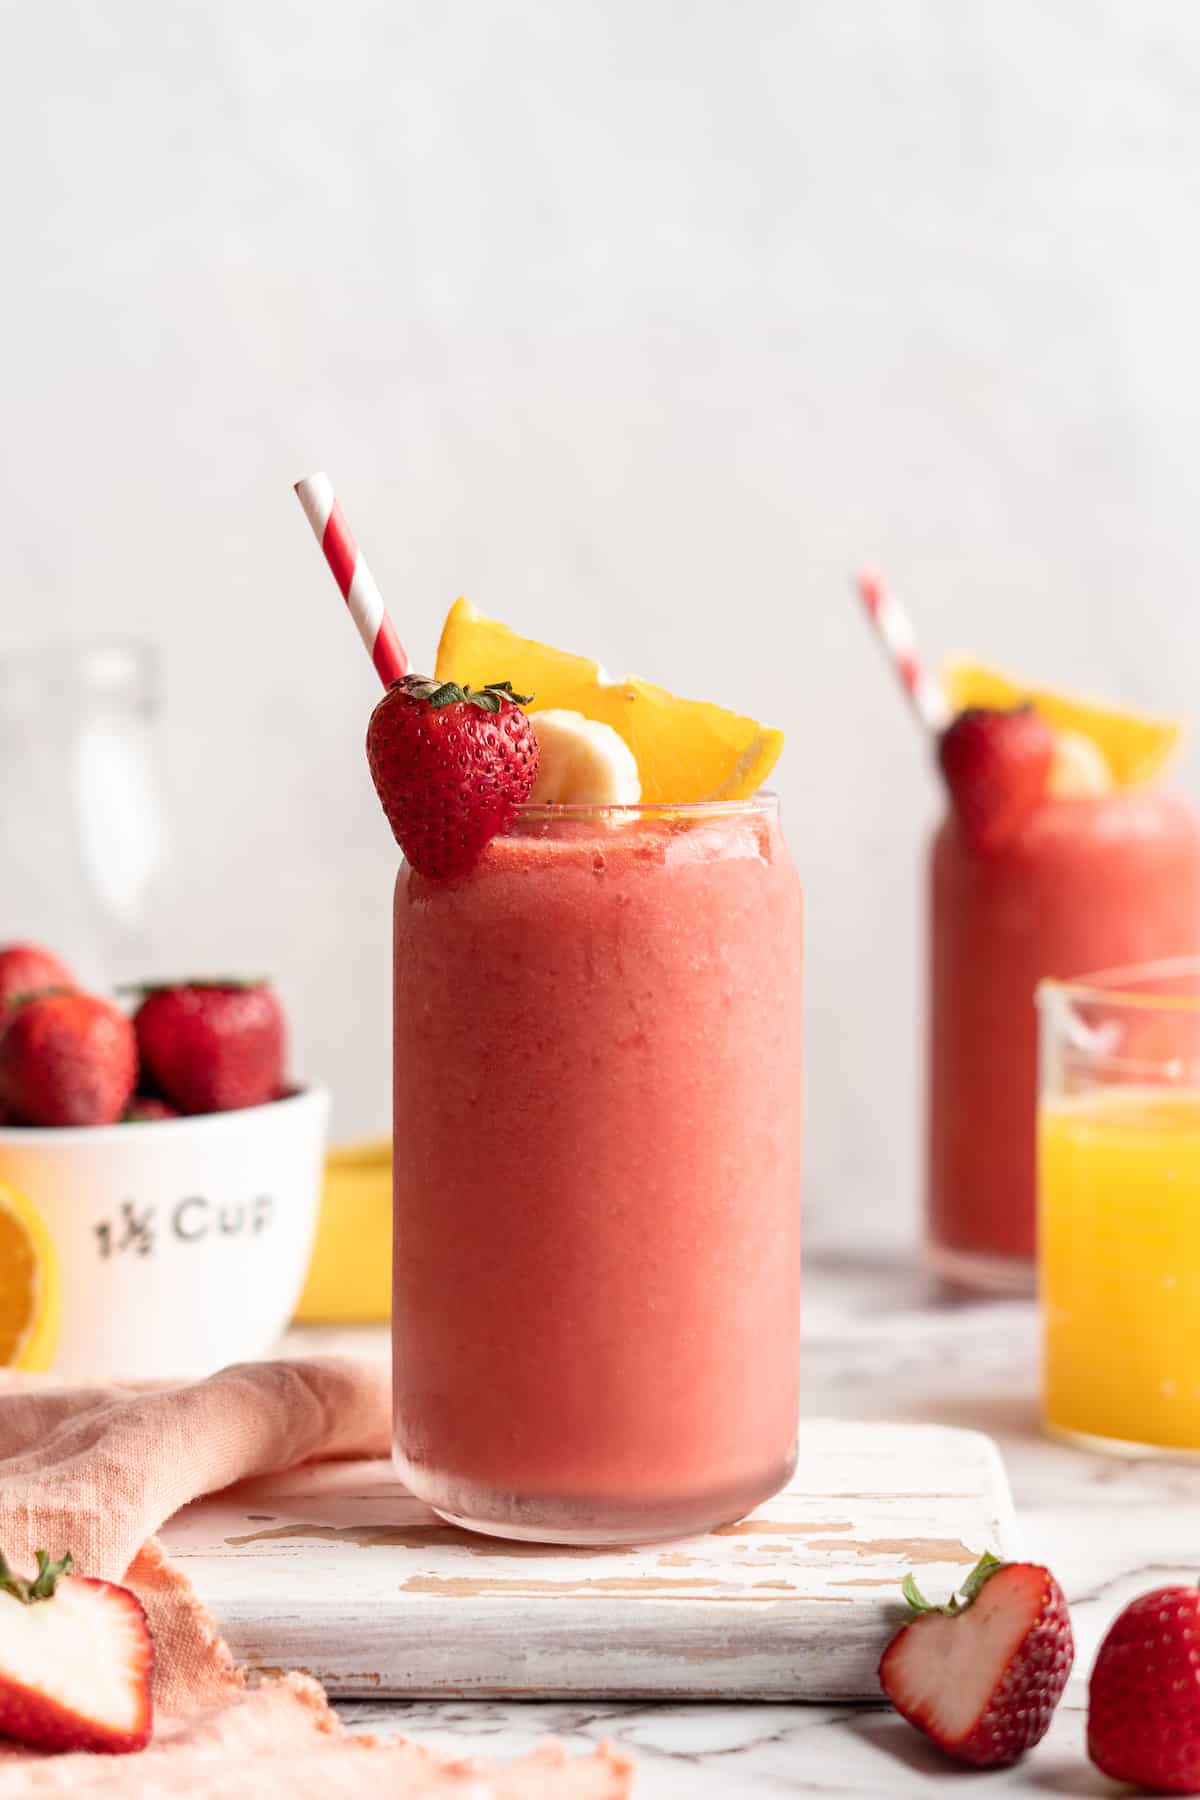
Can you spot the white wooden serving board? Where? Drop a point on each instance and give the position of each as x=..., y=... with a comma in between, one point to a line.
x=337, y=1570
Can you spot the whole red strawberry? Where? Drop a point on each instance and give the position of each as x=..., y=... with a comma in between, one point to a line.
x=212, y=1046
x=66, y=1059
x=1144, y=1694
x=983, y=1674
x=28, y=969
x=450, y=765
x=997, y=765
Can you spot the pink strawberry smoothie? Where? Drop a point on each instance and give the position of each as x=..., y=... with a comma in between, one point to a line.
x=597, y=1118
x=1086, y=884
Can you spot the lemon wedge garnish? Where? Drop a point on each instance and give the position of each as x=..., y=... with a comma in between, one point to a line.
x=30, y=1309
x=686, y=750
x=1135, y=746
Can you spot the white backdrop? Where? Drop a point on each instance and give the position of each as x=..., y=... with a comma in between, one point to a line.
x=638, y=323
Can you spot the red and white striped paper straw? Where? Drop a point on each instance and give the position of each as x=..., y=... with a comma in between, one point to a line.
x=894, y=630
x=350, y=571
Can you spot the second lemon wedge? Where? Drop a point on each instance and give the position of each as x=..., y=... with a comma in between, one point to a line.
x=686, y=750
x=30, y=1307
x=1136, y=746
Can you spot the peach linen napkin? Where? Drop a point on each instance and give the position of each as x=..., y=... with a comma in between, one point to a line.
x=97, y=1470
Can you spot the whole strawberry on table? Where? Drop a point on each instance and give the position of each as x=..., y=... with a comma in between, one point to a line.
x=1144, y=1694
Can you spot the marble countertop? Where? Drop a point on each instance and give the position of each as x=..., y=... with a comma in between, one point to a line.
x=881, y=1342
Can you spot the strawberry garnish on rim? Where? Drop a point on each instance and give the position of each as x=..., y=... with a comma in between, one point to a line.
x=1144, y=1694
x=76, y=1659
x=982, y=1675
x=451, y=765
x=997, y=767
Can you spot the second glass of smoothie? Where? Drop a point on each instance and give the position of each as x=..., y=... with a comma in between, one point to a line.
x=597, y=1248
x=1087, y=883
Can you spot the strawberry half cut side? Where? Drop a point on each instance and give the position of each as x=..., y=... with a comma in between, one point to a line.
x=76, y=1659
x=982, y=1675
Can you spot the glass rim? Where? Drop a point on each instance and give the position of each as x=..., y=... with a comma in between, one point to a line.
x=1119, y=986
x=766, y=800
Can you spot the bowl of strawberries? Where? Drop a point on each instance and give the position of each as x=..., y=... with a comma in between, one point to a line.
x=176, y=1168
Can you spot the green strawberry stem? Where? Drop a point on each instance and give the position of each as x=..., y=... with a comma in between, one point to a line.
x=28, y=994
x=987, y=1566
x=448, y=693
x=44, y=1582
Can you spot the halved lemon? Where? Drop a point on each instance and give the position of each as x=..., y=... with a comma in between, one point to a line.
x=30, y=1307
x=1136, y=746
x=686, y=750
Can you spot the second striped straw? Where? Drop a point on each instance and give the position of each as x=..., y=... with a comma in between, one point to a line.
x=893, y=627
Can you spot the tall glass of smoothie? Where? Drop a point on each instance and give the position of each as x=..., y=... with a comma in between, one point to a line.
x=597, y=1247
x=597, y=1100
x=597, y=1048
x=1097, y=866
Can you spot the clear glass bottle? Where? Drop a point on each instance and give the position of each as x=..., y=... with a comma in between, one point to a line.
x=82, y=834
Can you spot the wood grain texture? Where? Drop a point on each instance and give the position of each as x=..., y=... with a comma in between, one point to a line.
x=337, y=1570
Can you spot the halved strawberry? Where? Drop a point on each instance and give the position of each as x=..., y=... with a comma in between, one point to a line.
x=997, y=767
x=983, y=1674
x=76, y=1658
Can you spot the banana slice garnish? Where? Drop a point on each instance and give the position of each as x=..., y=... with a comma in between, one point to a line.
x=582, y=762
